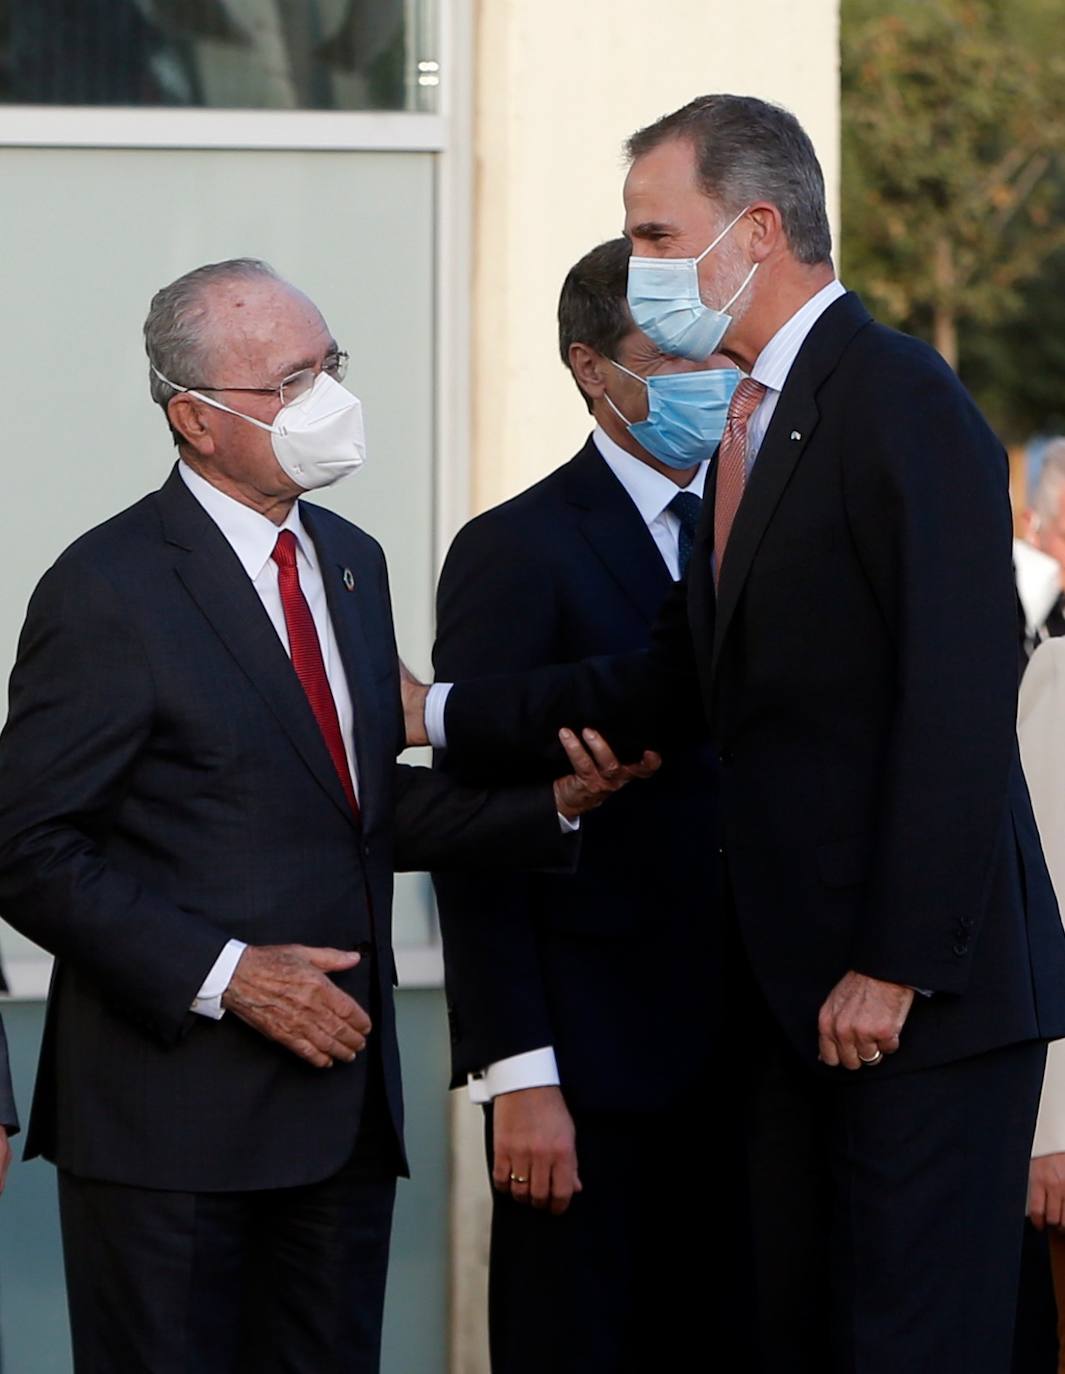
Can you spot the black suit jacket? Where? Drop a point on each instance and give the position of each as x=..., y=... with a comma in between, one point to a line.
x=858, y=668
x=163, y=787
x=566, y=570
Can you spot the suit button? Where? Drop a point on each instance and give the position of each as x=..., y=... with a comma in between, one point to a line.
x=960, y=949
x=366, y=851
x=725, y=757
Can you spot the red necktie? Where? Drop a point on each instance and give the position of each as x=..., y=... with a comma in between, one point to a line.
x=307, y=658
x=732, y=465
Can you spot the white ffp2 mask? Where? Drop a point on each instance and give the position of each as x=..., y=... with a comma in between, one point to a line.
x=317, y=439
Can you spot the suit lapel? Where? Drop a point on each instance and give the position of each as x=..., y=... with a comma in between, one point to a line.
x=213, y=576
x=790, y=431
x=793, y=422
x=346, y=611
x=615, y=531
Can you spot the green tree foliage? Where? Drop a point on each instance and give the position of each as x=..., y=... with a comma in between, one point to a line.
x=954, y=185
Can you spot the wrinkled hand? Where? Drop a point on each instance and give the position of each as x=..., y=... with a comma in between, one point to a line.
x=283, y=992
x=1046, y=1191
x=860, y=1016
x=596, y=775
x=413, y=693
x=534, y=1138
x=5, y=1156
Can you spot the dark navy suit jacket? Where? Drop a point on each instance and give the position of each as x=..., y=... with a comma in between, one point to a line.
x=164, y=787
x=566, y=570
x=858, y=668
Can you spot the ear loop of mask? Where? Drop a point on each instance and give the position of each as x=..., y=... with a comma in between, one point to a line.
x=746, y=281
x=610, y=403
x=187, y=391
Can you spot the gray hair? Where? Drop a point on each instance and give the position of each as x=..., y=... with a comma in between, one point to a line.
x=1046, y=499
x=176, y=332
x=747, y=150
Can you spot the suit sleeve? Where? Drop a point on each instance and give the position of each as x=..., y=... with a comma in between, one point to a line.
x=8, y=1114
x=925, y=487
x=647, y=700
x=442, y=824
x=496, y=611
x=81, y=711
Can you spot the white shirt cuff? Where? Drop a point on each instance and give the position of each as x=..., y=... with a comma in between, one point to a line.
x=568, y=826
x=208, y=1001
x=534, y=1069
x=435, y=701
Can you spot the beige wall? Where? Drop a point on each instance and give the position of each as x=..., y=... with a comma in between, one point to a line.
x=559, y=85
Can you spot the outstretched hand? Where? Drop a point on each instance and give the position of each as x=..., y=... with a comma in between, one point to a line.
x=597, y=773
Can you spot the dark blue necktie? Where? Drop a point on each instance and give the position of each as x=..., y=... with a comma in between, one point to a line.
x=686, y=507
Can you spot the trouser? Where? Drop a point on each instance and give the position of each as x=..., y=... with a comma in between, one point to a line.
x=886, y=1213
x=610, y=1285
x=279, y=1281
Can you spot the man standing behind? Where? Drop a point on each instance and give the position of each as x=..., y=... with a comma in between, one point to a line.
x=542, y=972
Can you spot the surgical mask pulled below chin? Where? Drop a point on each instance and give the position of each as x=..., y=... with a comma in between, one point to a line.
x=317, y=439
x=664, y=299
x=686, y=413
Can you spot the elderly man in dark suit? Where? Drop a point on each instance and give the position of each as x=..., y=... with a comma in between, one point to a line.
x=848, y=629
x=541, y=977
x=200, y=815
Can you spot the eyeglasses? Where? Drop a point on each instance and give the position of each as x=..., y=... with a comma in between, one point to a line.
x=295, y=385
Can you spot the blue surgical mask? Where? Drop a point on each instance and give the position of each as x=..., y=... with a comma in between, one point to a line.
x=665, y=303
x=686, y=413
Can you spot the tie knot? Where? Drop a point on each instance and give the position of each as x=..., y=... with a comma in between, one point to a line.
x=284, y=554
x=745, y=400
x=686, y=506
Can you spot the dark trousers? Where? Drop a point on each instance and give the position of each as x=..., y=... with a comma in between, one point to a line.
x=283, y=1281
x=609, y=1286
x=887, y=1213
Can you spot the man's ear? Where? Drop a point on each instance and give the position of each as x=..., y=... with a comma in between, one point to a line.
x=188, y=417
x=589, y=368
x=767, y=230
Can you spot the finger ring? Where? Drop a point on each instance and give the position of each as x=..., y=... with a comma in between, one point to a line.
x=518, y=1178
x=875, y=1059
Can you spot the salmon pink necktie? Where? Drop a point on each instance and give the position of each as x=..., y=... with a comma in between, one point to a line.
x=307, y=658
x=732, y=465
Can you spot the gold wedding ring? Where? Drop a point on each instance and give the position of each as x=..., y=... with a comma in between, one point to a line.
x=870, y=1062
x=518, y=1178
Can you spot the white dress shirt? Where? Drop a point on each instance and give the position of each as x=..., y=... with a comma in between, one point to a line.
x=252, y=538
x=651, y=494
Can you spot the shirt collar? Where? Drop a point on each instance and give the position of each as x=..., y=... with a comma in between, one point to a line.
x=648, y=490
x=773, y=364
x=251, y=535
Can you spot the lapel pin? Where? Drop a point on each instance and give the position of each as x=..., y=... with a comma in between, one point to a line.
x=795, y=434
x=349, y=579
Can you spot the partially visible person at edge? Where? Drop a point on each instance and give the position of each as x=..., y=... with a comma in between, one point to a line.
x=1039, y=558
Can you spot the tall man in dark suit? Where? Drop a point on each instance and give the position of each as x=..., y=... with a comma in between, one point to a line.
x=541, y=973
x=848, y=628
x=200, y=815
